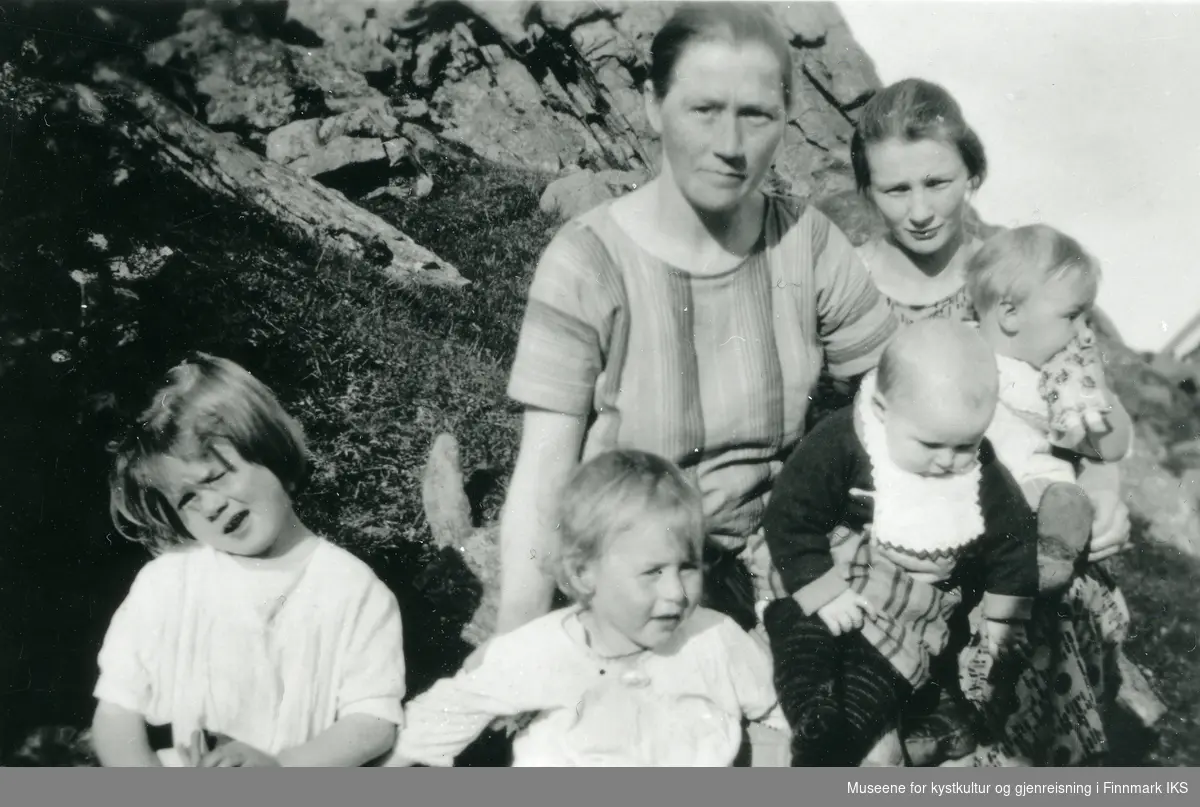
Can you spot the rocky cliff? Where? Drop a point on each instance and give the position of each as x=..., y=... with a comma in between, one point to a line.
x=324, y=86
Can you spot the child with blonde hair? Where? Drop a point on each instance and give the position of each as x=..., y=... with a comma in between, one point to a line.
x=887, y=514
x=635, y=673
x=1060, y=431
x=256, y=641
x=1033, y=288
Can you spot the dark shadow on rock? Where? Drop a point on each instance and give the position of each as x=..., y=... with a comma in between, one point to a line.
x=268, y=20
x=356, y=179
x=55, y=617
x=437, y=602
x=1130, y=742
x=482, y=486
x=64, y=39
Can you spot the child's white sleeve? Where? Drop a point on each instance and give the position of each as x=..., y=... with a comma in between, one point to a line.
x=501, y=679
x=752, y=672
x=373, y=679
x=126, y=660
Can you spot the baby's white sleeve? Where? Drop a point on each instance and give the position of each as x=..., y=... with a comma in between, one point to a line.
x=126, y=660
x=373, y=678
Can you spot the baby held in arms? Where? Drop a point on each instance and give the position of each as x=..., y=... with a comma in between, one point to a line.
x=886, y=516
x=1034, y=288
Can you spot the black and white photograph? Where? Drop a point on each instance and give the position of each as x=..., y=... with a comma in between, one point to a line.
x=619, y=383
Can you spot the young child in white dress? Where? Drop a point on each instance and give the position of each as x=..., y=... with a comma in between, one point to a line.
x=258, y=642
x=635, y=673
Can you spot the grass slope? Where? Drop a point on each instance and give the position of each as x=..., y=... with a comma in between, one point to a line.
x=372, y=370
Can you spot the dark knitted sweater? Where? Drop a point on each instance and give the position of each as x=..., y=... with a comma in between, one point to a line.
x=813, y=497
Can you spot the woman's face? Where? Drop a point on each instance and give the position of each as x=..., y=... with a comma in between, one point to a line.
x=920, y=187
x=721, y=121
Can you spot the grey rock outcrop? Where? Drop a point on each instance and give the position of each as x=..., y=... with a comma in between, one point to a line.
x=543, y=85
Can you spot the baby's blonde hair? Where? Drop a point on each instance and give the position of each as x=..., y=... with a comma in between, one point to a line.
x=1013, y=264
x=612, y=493
x=205, y=400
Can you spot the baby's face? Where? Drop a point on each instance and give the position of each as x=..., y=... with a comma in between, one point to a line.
x=934, y=437
x=1052, y=316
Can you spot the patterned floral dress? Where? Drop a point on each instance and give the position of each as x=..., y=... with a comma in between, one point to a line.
x=1053, y=715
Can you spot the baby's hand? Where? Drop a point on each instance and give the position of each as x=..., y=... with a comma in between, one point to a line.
x=845, y=612
x=1004, y=637
x=238, y=755
x=1096, y=420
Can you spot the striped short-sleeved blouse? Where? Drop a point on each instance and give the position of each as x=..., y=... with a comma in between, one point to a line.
x=714, y=372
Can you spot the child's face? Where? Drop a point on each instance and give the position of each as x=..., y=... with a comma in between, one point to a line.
x=933, y=438
x=1049, y=319
x=920, y=188
x=645, y=584
x=228, y=503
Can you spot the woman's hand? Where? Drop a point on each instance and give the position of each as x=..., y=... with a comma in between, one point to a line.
x=238, y=755
x=845, y=612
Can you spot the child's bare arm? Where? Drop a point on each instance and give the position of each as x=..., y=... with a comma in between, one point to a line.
x=352, y=741
x=120, y=739
x=504, y=678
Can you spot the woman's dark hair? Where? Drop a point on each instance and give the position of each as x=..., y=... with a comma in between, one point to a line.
x=913, y=110
x=736, y=23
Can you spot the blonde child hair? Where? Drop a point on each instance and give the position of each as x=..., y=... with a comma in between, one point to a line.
x=1012, y=264
x=206, y=399
x=1061, y=404
x=612, y=493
